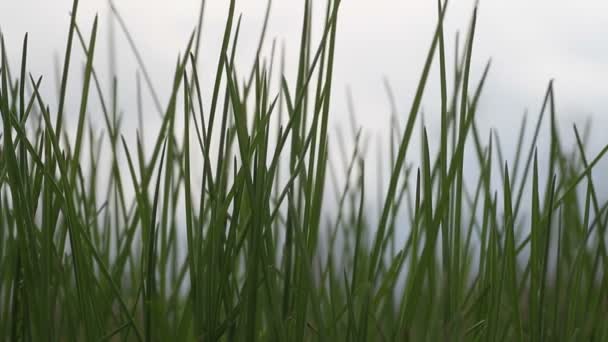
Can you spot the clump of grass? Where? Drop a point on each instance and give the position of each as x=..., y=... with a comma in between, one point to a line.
x=239, y=246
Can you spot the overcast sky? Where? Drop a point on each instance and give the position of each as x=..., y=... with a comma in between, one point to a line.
x=530, y=42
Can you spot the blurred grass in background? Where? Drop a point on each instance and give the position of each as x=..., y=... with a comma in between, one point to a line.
x=152, y=244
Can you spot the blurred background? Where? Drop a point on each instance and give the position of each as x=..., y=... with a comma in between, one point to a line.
x=529, y=44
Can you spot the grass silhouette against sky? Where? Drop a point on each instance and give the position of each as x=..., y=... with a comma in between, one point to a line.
x=244, y=216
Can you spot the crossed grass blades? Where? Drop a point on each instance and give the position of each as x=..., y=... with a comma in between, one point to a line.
x=148, y=244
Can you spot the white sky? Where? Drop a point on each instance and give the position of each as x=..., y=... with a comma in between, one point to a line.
x=530, y=42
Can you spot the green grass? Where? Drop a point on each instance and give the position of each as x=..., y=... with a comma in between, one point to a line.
x=223, y=228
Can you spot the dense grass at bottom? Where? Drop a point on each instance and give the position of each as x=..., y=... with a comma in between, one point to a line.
x=219, y=229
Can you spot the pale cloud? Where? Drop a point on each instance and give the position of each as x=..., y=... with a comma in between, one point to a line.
x=529, y=42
